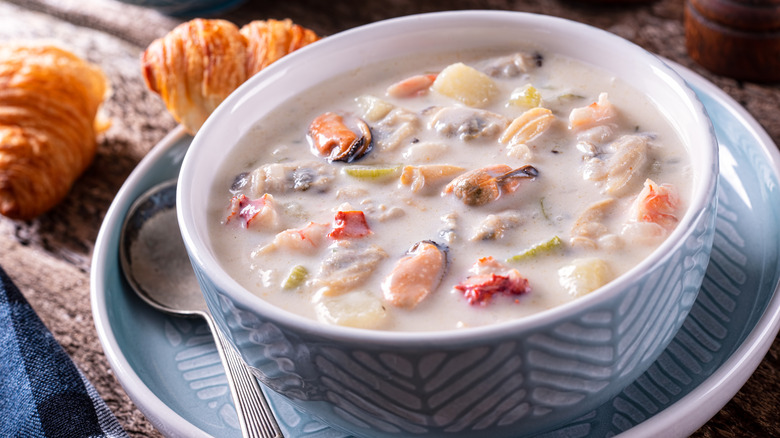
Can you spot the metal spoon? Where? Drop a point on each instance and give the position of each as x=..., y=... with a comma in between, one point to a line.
x=155, y=264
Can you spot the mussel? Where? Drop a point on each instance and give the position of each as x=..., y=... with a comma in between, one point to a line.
x=330, y=137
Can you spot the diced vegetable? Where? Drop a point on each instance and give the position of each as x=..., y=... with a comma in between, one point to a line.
x=353, y=309
x=373, y=173
x=526, y=96
x=296, y=277
x=466, y=84
x=374, y=109
x=583, y=276
x=538, y=249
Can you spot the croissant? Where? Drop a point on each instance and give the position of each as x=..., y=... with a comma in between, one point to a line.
x=49, y=100
x=200, y=62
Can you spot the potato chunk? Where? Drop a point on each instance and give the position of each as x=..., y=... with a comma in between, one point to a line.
x=583, y=276
x=353, y=309
x=466, y=84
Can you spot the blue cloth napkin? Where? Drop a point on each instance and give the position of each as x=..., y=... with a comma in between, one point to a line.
x=42, y=392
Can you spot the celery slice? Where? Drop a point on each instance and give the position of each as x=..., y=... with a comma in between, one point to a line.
x=526, y=96
x=296, y=277
x=373, y=172
x=538, y=249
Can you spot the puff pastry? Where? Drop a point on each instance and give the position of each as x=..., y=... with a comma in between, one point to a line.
x=49, y=100
x=200, y=62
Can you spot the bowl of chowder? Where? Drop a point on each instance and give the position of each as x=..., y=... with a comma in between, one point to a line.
x=465, y=223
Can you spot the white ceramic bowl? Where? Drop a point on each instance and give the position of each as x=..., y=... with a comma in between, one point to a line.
x=523, y=376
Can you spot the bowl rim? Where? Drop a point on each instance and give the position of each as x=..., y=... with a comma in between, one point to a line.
x=701, y=199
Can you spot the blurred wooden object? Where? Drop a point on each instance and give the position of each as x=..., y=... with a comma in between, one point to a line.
x=735, y=38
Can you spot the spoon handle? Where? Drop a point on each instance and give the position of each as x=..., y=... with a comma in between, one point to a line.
x=254, y=414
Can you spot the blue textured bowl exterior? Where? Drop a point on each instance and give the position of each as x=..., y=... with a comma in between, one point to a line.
x=187, y=7
x=513, y=382
x=529, y=375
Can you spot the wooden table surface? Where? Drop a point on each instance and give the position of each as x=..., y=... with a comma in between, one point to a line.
x=49, y=257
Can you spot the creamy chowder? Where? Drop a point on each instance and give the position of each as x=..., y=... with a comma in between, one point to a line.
x=448, y=192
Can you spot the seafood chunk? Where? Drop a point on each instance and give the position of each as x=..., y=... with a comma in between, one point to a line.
x=520, y=151
x=514, y=65
x=583, y=276
x=330, y=137
x=598, y=113
x=480, y=186
x=353, y=309
x=348, y=265
x=589, y=226
x=490, y=278
x=527, y=126
x=416, y=275
x=286, y=177
x=306, y=240
x=425, y=151
x=397, y=126
x=449, y=233
x=420, y=177
x=656, y=203
x=349, y=224
x=494, y=226
x=255, y=213
x=465, y=84
x=412, y=86
x=628, y=165
x=467, y=123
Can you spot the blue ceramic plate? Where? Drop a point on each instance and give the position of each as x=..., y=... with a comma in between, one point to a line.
x=170, y=367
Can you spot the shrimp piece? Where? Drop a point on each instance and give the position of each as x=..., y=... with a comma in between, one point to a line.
x=349, y=224
x=411, y=87
x=487, y=265
x=595, y=114
x=306, y=240
x=480, y=186
x=656, y=203
x=491, y=277
x=418, y=177
x=416, y=275
x=330, y=137
x=255, y=213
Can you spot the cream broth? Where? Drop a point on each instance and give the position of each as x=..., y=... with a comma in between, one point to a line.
x=607, y=182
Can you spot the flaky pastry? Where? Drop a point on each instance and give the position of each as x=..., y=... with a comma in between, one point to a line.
x=49, y=100
x=200, y=62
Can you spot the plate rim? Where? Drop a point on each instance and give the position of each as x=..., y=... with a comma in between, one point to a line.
x=726, y=381
x=708, y=397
